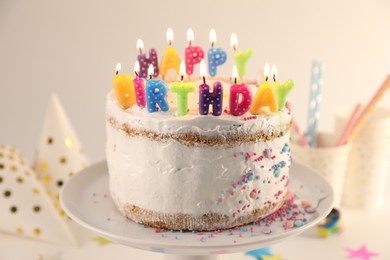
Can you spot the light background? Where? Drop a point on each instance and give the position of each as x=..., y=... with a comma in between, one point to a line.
x=72, y=47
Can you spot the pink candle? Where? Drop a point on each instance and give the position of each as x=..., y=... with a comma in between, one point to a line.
x=144, y=61
x=139, y=87
x=237, y=107
x=193, y=54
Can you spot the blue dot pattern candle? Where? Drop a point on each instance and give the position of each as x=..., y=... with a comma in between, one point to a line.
x=156, y=91
x=214, y=98
x=216, y=57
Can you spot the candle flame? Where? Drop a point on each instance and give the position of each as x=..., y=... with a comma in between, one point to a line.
x=118, y=67
x=182, y=68
x=140, y=45
x=233, y=41
x=150, y=70
x=190, y=35
x=274, y=71
x=136, y=67
x=266, y=71
x=212, y=36
x=170, y=36
x=203, y=71
x=235, y=73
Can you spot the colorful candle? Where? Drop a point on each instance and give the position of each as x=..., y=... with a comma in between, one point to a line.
x=216, y=56
x=124, y=89
x=207, y=98
x=193, y=54
x=139, y=87
x=182, y=89
x=281, y=90
x=237, y=107
x=170, y=59
x=145, y=61
x=156, y=91
x=264, y=96
x=241, y=58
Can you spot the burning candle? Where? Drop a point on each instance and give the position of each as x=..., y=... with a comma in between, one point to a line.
x=182, y=89
x=216, y=56
x=139, y=87
x=156, y=91
x=124, y=89
x=237, y=107
x=207, y=98
x=264, y=96
x=281, y=90
x=193, y=54
x=145, y=62
x=240, y=57
x=170, y=59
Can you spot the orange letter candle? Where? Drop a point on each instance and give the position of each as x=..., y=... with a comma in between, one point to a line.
x=170, y=59
x=124, y=89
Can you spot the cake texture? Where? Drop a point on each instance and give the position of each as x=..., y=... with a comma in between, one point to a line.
x=196, y=172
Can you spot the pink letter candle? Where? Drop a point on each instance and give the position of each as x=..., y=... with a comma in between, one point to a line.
x=139, y=87
x=207, y=98
x=156, y=91
x=145, y=62
x=216, y=56
x=237, y=107
x=170, y=59
x=193, y=54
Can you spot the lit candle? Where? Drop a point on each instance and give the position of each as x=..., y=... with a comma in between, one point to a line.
x=145, y=62
x=156, y=91
x=240, y=57
x=237, y=107
x=264, y=96
x=206, y=98
x=170, y=59
x=123, y=88
x=216, y=56
x=193, y=54
x=281, y=90
x=139, y=87
x=182, y=89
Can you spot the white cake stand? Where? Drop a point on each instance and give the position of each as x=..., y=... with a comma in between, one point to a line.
x=85, y=198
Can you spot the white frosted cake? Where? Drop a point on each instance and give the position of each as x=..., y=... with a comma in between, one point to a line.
x=196, y=172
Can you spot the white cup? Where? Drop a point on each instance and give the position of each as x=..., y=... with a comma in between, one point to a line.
x=368, y=161
x=326, y=159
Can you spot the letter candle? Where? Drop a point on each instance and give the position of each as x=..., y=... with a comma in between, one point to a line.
x=237, y=107
x=170, y=59
x=124, y=89
x=145, y=62
x=264, y=96
x=207, y=98
x=156, y=91
x=240, y=57
x=281, y=90
x=139, y=87
x=193, y=54
x=216, y=56
x=182, y=89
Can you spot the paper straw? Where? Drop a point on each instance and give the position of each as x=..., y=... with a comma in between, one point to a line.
x=301, y=137
x=369, y=108
x=347, y=128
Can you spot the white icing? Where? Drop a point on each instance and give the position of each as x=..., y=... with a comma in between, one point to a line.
x=169, y=177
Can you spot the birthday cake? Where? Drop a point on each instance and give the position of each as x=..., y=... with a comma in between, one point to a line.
x=204, y=159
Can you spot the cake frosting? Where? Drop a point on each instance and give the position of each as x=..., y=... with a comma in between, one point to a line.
x=196, y=172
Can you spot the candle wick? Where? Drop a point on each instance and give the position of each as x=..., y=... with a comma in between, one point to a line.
x=266, y=78
x=212, y=44
x=116, y=73
x=150, y=76
x=274, y=77
x=235, y=80
x=234, y=48
x=170, y=43
x=204, y=80
x=182, y=77
x=136, y=73
x=189, y=43
x=140, y=51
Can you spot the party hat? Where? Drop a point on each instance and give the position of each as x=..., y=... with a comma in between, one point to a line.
x=25, y=207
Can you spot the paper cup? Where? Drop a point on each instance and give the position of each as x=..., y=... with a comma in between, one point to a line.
x=368, y=161
x=326, y=159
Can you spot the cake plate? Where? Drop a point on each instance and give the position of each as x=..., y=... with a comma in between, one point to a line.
x=85, y=198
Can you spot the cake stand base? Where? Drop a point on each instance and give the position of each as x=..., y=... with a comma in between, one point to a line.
x=194, y=257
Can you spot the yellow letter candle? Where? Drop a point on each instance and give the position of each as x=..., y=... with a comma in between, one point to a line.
x=182, y=89
x=124, y=89
x=241, y=57
x=281, y=90
x=170, y=59
x=264, y=96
